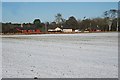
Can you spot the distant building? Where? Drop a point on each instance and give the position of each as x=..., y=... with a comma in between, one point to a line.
x=51, y=30
x=28, y=29
x=77, y=31
x=67, y=30
x=55, y=30
x=58, y=29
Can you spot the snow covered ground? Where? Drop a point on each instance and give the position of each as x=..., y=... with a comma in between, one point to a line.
x=85, y=55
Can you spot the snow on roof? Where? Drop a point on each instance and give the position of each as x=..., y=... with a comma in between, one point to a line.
x=57, y=29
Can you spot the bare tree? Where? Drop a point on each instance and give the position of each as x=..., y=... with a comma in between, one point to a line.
x=110, y=15
x=59, y=20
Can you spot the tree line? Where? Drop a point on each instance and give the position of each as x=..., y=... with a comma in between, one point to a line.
x=109, y=22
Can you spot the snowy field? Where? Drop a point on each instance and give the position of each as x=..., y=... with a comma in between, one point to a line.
x=85, y=55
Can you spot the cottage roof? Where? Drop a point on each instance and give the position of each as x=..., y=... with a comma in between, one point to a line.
x=57, y=29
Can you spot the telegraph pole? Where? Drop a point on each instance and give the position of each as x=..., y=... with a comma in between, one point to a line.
x=117, y=24
x=45, y=27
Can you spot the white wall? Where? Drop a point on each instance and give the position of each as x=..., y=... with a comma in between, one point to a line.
x=67, y=30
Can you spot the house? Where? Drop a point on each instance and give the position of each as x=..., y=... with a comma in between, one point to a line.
x=55, y=30
x=58, y=29
x=67, y=30
x=28, y=29
x=51, y=30
x=77, y=31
